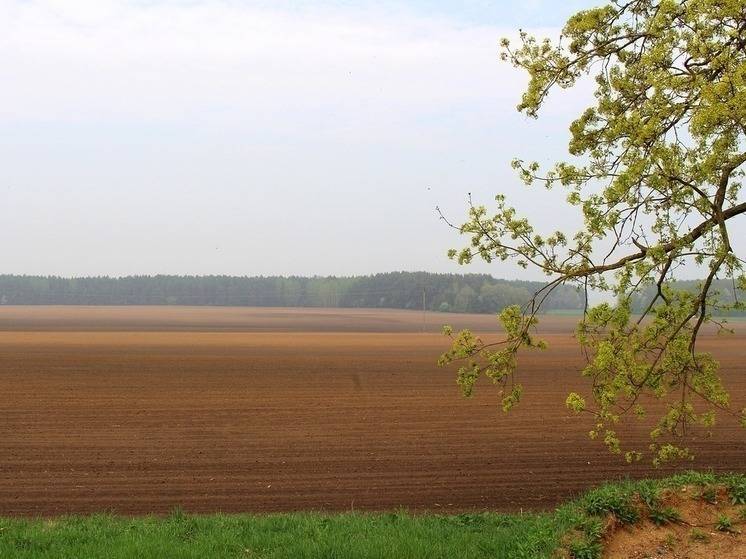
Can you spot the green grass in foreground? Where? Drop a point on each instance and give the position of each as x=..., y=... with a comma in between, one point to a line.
x=344, y=536
x=296, y=536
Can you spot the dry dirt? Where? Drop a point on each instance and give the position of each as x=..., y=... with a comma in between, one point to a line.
x=694, y=536
x=143, y=409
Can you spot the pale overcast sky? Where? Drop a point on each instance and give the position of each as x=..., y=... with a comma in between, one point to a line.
x=313, y=137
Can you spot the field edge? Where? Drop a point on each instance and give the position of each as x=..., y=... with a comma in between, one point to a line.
x=585, y=528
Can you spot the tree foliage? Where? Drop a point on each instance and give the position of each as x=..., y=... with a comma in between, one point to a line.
x=656, y=172
x=724, y=305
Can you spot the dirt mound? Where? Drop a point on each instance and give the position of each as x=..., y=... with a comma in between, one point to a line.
x=709, y=527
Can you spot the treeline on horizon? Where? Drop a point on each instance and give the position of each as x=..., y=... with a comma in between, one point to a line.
x=477, y=293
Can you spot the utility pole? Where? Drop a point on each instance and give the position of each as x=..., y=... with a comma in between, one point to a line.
x=424, y=316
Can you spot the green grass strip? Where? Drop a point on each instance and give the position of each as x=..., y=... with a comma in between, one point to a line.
x=275, y=536
x=311, y=535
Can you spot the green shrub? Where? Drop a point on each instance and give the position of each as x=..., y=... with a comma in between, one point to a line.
x=709, y=494
x=697, y=535
x=612, y=500
x=737, y=490
x=661, y=516
x=593, y=528
x=582, y=549
x=724, y=524
x=649, y=492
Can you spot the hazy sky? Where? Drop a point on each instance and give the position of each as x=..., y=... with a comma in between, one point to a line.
x=314, y=137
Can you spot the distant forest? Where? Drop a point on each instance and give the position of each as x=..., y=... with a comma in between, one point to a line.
x=724, y=292
x=478, y=293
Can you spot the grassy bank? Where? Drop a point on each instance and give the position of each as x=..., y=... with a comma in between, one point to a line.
x=576, y=528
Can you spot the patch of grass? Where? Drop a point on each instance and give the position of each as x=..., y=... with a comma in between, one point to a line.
x=593, y=528
x=665, y=515
x=670, y=541
x=737, y=489
x=582, y=549
x=564, y=312
x=296, y=536
x=649, y=493
x=613, y=499
x=709, y=494
x=693, y=478
x=699, y=536
x=724, y=524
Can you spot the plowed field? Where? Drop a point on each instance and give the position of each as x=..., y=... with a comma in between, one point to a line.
x=143, y=409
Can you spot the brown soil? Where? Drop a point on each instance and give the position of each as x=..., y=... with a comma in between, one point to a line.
x=142, y=409
x=696, y=536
